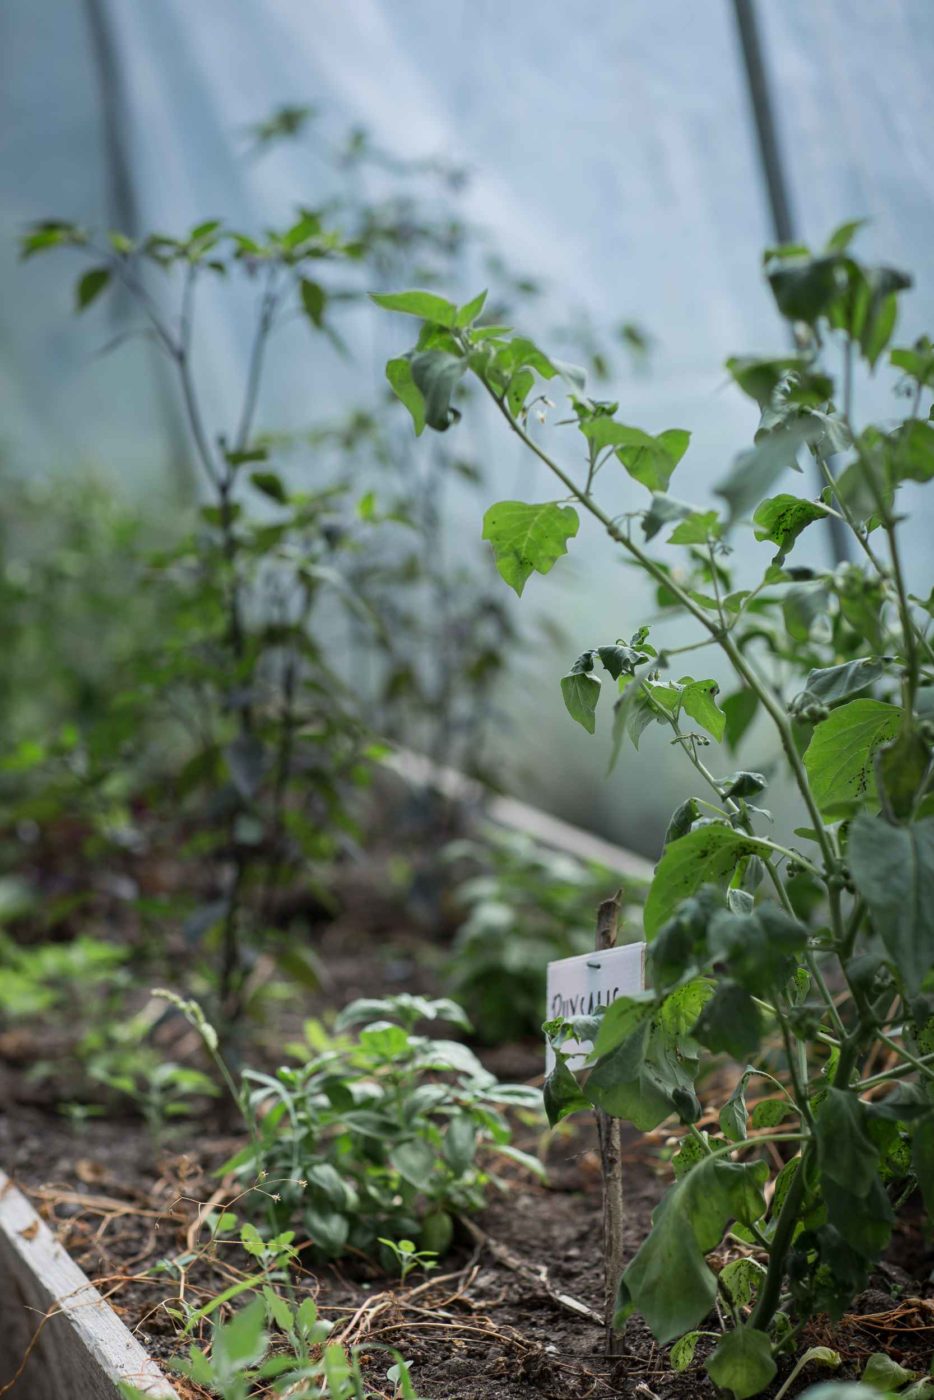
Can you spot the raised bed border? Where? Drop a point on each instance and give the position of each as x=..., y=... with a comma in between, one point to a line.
x=543, y=827
x=76, y=1344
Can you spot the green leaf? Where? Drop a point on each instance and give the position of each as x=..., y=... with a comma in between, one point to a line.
x=621, y=660
x=528, y=537
x=697, y=528
x=917, y=362
x=839, y=758
x=562, y=1094
x=517, y=391
x=743, y=784
x=739, y=710
x=621, y=1018
x=668, y=1280
x=467, y=314
x=425, y=305
x=436, y=375
x=872, y=311
x=741, y=1280
x=277, y=1309
x=663, y=510
x=682, y=1353
x=271, y=485
x=90, y=286
x=781, y=520
x=802, y=605
x=760, y=947
x=759, y=378
x=734, y=1120
x=768, y=1113
x=901, y=768
x=399, y=374
x=893, y=869
x=754, y=472
x=805, y=289
x=460, y=1144
x=829, y=684
x=884, y=1374
x=730, y=1023
x=649, y=460
x=314, y=299
x=910, y=452
x=414, y=1160
x=698, y=699
x=643, y=1079
x=839, y=241
x=241, y=1342
x=845, y=1151
x=581, y=693
x=922, y=1161
x=863, y=1221
x=742, y=1363
x=707, y=855
x=681, y=820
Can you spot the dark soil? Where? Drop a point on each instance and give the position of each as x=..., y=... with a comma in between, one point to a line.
x=487, y=1325
x=486, y=1328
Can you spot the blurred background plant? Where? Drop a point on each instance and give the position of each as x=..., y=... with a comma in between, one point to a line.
x=523, y=906
x=200, y=680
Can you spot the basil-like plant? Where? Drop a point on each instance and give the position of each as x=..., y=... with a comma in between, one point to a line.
x=807, y=956
x=385, y=1134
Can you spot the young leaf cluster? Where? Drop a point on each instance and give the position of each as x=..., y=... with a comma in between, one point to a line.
x=379, y=1132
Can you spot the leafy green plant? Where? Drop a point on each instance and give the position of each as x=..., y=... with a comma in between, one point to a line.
x=525, y=906
x=116, y=1055
x=383, y=1133
x=73, y=600
x=55, y=977
x=245, y=1359
x=408, y=1256
x=271, y=738
x=807, y=957
x=234, y=728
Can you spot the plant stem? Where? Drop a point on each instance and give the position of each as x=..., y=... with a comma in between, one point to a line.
x=267, y=313
x=925, y=1063
x=768, y=1299
x=922, y=1064
x=719, y=633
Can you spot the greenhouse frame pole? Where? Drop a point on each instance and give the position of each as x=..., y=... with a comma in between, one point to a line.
x=773, y=172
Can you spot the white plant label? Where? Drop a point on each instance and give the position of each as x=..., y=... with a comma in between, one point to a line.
x=580, y=986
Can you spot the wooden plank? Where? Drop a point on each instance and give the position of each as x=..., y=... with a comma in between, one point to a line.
x=79, y=1347
x=548, y=830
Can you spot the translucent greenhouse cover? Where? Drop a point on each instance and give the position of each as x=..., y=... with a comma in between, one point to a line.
x=612, y=154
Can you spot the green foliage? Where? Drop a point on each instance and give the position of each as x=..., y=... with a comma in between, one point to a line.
x=528, y=538
x=525, y=906
x=800, y=955
x=208, y=672
x=669, y=1280
x=742, y=1362
x=839, y=758
x=247, y=1357
x=408, y=1257
x=384, y=1134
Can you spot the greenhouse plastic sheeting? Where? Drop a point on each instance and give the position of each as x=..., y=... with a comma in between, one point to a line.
x=612, y=153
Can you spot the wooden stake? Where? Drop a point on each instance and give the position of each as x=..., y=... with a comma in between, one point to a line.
x=609, y=1131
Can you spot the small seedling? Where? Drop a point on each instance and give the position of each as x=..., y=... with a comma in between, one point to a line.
x=408, y=1257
